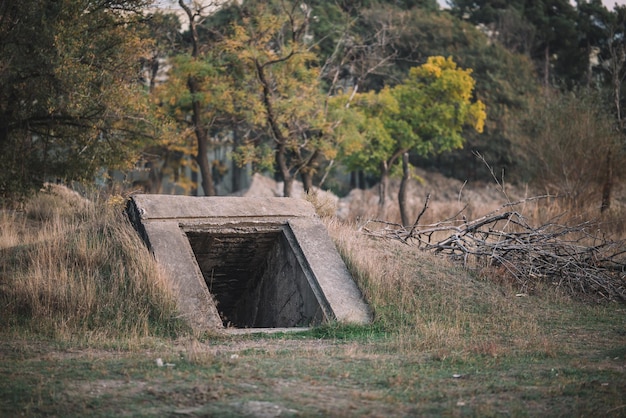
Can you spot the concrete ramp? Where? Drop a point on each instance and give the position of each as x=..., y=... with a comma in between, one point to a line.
x=248, y=262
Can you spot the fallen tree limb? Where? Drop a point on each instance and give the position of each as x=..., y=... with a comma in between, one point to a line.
x=575, y=258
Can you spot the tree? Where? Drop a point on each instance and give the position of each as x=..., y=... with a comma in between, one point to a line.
x=553, y=26
x=163, y=30
x=614, y=60
x=431, y=108
x=164, y=155
x=269, y=58
x=594, y=23
x=483, y=11
x=557, y=35
x=194, y=12
x=607, y=33
x=70, y=101
x=374, y=149
x=504, y=81
x=558, y=133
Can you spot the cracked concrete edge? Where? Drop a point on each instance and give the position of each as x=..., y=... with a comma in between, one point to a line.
x=175, y=255
x=325, y=307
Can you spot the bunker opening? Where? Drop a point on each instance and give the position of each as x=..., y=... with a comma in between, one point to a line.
x=257, y=275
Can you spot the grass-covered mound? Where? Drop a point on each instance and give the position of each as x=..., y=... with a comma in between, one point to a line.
x=72, y=267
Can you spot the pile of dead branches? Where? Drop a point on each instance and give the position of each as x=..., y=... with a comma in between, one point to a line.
x=577, y=258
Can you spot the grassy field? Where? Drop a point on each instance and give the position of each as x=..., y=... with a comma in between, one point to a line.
x=445, y=342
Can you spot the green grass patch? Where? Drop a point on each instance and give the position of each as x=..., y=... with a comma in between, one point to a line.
x=338, y=378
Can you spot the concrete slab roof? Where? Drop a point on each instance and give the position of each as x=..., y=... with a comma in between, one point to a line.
x=154, y=207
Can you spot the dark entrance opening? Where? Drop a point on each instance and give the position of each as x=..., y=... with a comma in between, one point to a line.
x=257, y=275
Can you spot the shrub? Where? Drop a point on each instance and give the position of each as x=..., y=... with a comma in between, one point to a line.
x=566, y=139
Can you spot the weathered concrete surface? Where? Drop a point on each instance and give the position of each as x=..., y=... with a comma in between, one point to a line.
x=190, y=207
x=172, y=250
x=260, y=262
x=329, y=271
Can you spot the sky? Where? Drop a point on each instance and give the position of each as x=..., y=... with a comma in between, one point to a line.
x=608, y=3
x=611, y=3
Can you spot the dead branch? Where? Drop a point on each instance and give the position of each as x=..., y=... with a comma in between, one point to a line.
x=575, y=258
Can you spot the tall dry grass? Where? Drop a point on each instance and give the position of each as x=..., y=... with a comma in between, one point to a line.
x=452, y=200
x=72, y=267
x=432, y=305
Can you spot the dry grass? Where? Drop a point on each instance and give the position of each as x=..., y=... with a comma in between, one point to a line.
x=69, y=267
x=324, y=205
x=433, y=305
x=444, y=343
x=453, y=199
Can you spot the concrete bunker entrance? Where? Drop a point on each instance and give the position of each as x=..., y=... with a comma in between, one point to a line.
x=253, y=263
x=257, y=275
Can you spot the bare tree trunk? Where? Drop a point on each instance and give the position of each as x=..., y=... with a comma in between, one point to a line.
x=617, y=93
x=353, y=180
x=385, y=168
x=156, y=175
x=281, y=150
x=384, y=183
x=288, y=187
x=194, y=181
x=4, y=128
x=608, y=184
x=237, y=171
x=202, y=137
x=590, y=65
x=307, y=181
x=154, y=70
x=404, y=215
x=616, y=68
x=281, y=159
x=546, y=67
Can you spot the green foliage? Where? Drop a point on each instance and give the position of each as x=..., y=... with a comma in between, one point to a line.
x=558, y=35
x=163, y=29
x=312, y=58
x=371, y=141
x=267, y=61
x=424, y=114
x=435, y=103
x=504, y=80
x=69, y=100
x=260, y=156
x=215, y=95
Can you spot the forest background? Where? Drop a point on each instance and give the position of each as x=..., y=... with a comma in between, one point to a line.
x=339, y=94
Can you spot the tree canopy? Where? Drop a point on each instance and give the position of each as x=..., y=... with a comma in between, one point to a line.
x=70, y=101
x=424, y=114
x=295, y=88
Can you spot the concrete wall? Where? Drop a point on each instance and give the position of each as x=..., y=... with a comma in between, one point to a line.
x=231, y=260
x=281, y=295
